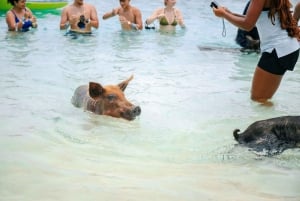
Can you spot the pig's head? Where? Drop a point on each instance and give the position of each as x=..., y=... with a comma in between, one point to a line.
x=110, y=100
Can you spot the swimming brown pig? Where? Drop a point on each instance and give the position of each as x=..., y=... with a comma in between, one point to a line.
x=106, y=100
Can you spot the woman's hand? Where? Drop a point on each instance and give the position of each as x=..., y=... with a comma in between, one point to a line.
x=220, y=11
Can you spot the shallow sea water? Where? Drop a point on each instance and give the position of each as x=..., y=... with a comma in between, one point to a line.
x=180, y=148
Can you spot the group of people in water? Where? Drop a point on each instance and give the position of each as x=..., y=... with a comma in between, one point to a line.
x=81, y=17
x=267, y=24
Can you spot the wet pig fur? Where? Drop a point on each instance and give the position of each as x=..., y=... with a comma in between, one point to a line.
x=271, y=136
x=106, y=100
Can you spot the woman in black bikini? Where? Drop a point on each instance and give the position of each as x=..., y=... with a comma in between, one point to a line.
x=168, y=17
x=20, y=18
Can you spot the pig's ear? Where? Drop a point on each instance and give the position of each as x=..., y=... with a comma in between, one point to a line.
x=124, y=84
x=95, y=90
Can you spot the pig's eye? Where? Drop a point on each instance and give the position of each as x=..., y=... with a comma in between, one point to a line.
x=111, y=97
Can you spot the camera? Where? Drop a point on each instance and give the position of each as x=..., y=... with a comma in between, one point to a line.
x=214, y=4
x=82, y=19
x=82, y=22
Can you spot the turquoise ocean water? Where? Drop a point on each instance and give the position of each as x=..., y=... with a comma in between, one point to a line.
x=180, y=148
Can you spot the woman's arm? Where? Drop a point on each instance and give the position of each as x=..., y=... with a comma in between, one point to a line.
x=155, y=15
x=246, y=22
x=31, y=17
x=180, y=18
x=11, y=23
x=296, y=13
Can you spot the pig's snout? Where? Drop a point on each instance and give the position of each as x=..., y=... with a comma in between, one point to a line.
x=136, y=111
x=133, y=112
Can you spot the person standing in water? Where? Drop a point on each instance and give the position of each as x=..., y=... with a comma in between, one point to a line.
x=130, y=17
x=278, y=32
x=80, y=16
x=20, y=18
x=169, y=16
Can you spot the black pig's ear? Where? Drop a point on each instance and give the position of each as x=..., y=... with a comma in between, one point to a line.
x=95, y=90
x=124, y=84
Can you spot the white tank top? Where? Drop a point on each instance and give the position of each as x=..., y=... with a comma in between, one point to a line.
x=273, y=37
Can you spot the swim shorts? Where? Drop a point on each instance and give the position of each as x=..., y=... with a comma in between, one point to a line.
x=278, y=66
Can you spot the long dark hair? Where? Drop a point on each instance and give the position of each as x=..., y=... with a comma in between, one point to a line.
x=12, y=2
x=282, y=7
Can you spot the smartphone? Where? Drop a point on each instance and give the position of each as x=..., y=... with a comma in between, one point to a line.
x=214, y=4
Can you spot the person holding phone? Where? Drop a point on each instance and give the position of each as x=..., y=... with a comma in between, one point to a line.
x=278, y=33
